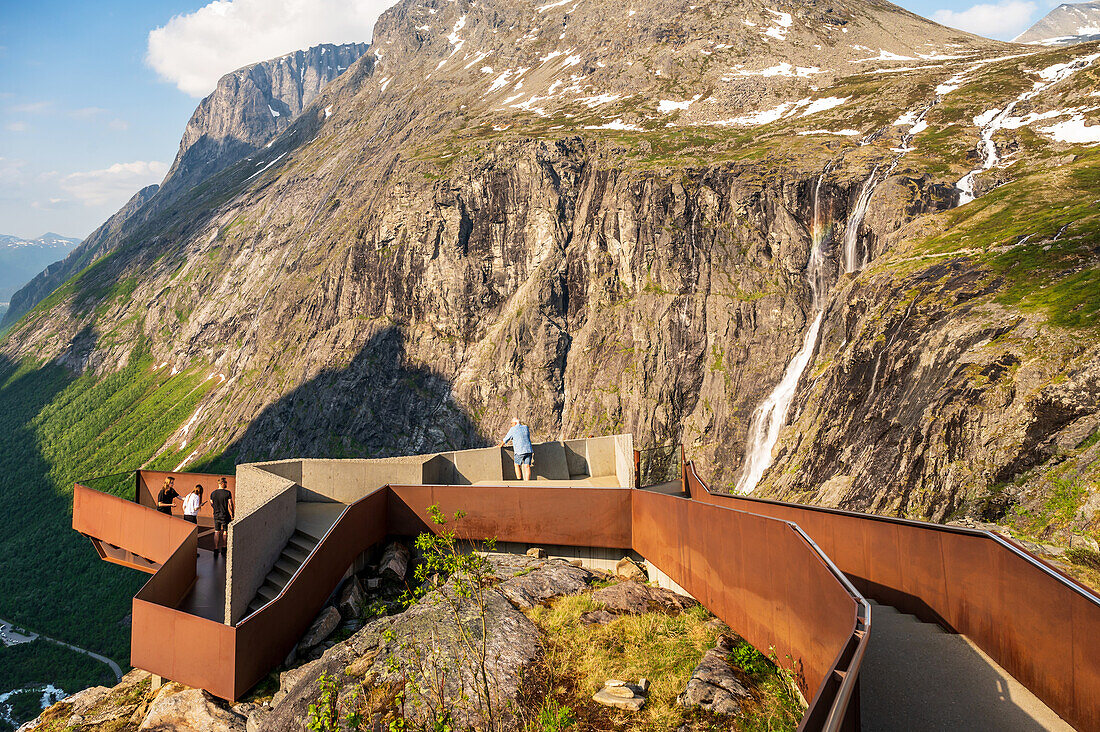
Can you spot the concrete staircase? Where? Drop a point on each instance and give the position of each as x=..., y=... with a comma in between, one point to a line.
x=297, y=549
x=917, y=676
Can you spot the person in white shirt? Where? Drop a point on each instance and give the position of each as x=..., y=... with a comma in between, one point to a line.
x=191, y=505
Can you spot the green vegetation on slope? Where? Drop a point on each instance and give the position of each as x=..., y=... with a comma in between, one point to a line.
x=662, y=648
x=59, y=428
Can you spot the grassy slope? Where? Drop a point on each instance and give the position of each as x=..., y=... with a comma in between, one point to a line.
x=60, y=428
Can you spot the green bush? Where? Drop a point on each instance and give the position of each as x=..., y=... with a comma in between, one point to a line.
x=750, y=660
x=1084, y=557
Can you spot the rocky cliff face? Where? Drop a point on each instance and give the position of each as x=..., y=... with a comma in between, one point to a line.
x=249, y=107
x=604, y=221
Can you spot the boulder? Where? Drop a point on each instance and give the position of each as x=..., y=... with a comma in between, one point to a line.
x=628, y=569
x=425, y=632
x=352, y=599
x=395, y=561
x=322, y=628
x=545, y=581
x=536, y=552
x=634, y=599
x=177, y=707
x=597, y=617
x=713, y=686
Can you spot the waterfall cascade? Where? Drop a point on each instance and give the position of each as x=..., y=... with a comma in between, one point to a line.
x=770, y=416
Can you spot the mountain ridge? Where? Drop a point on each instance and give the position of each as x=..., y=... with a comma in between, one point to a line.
x=1066, y=24
x=231, y=122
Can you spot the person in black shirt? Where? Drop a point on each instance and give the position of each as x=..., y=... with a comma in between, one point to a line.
x=167, y=496
x=221, y=502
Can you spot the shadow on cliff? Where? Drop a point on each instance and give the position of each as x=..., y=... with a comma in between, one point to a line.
x=377, y=405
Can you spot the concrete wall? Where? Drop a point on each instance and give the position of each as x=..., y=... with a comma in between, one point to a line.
x=624, y=459
x=576, y=457
x=477, y=465
x=346, y=481
x=289, y=469
x=265, y=517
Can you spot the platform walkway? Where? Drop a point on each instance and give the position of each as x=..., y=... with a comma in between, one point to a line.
x=917, y=677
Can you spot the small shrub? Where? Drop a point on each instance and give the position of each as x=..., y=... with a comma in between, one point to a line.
x=322, y=715
x=555, y=717
x=1084, y=557
x=750, y=660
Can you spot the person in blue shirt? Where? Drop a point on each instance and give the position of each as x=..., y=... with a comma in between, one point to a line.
x=520, y=437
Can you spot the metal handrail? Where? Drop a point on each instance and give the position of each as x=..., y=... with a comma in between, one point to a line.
x=303, y=565
x=861, y=630
x=1038, y=563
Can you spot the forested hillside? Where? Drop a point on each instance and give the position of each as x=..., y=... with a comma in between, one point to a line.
x=59, y=428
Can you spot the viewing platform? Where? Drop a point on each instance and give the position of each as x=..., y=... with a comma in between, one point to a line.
x=795, y=581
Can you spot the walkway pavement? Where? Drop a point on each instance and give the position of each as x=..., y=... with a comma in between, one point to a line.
x=918, y=677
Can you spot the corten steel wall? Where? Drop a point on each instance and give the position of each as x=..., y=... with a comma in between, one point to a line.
x=264, y=638
x=175, y=644
x=1037, y=623
x=520, y=513
x=149, y=483
x=139, y=529
x=765, y=579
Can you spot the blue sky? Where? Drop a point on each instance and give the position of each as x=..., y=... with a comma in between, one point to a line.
x=94, y=96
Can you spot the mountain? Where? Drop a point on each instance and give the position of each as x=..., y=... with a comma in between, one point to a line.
x=252, y=105
x=846, y=255
x=1066, y=24
x=21, y=259
x=247, y=109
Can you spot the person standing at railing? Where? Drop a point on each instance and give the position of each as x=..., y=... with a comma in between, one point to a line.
x=221, y=502
x=520, y=437
x=167, y=496
x=191, y=505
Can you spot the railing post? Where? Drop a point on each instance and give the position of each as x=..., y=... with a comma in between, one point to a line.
x=683, y=473
x=137, y=486
x=637, y=468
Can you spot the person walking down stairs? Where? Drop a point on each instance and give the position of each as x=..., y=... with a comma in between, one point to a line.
x=520, y=437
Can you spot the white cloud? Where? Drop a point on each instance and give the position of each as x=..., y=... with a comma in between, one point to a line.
x=119, y=125
x=1005, y=19
x=17, y=127
x=113, y=185
x=196, y=49
x=31, y=107
x=11, y=172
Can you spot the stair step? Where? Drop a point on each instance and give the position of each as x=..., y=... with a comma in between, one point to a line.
x=277, y=580
x=287, y=566
x=283, y=571
x=267, y=592
x=303, y=542
x=295, y=554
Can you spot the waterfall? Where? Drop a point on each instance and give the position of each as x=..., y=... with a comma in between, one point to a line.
x=853, y=259
x=770, y=416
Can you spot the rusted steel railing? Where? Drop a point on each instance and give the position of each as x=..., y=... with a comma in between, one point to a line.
x=265, y=637
x=772, y=584
x=764, y=577
x=1036, y=622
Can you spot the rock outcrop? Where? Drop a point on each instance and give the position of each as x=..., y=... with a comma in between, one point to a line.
x=713, y=685
x=250, y=106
